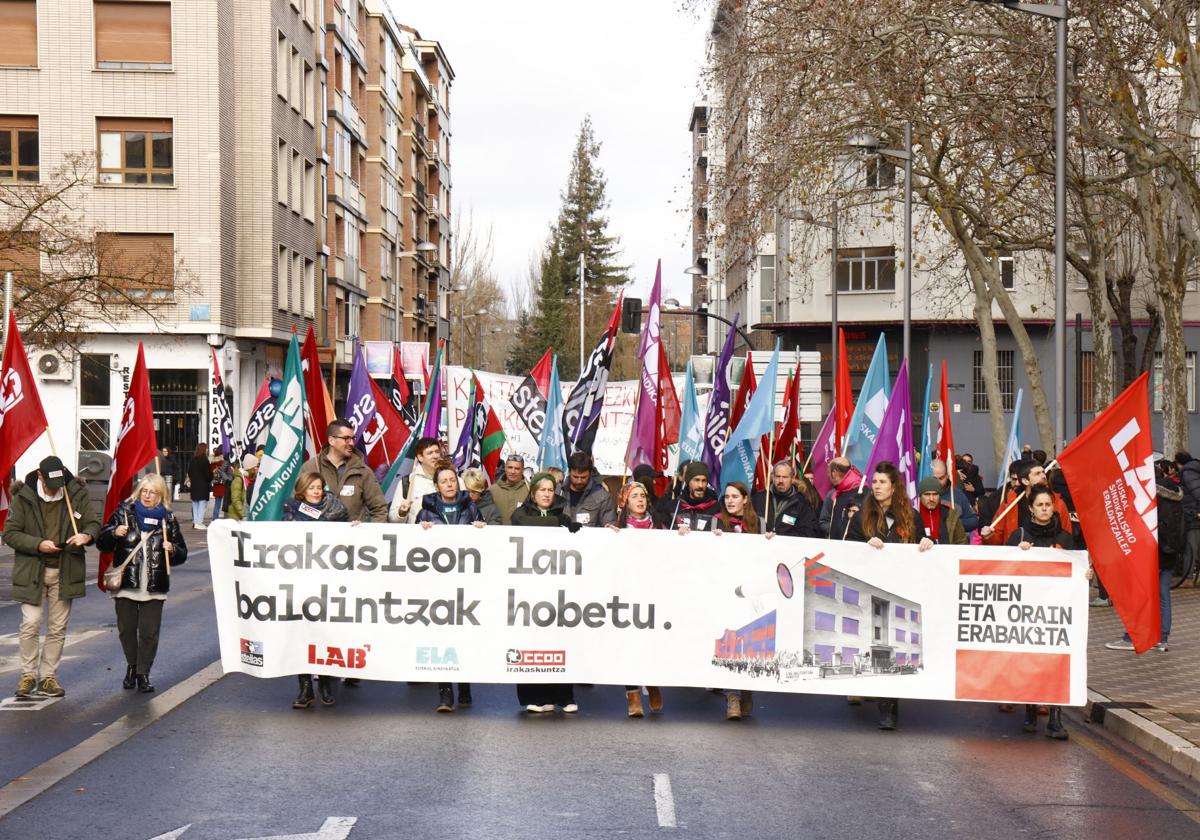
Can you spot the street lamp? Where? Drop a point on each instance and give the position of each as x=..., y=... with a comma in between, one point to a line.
x=1060, y=15
x=478, y=336
x=832, y=225
x=870, y=144
x=676, y=307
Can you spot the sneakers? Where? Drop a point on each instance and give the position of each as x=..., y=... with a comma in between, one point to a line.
x=570, y=708
x=49, y=687
x=26, y=685
x=200, y=527
x=1161, y=647
x=445, y=700
x=1100, y=602
x=1119, y=644
x=535, y=709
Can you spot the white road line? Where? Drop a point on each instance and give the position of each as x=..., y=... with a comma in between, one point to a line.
x=12, y=663
x=173, y=835
x=334, y=828
x=664, y=801
x=40, y=779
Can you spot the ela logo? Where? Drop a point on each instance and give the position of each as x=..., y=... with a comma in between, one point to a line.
x=337, y=657
x=437, y=656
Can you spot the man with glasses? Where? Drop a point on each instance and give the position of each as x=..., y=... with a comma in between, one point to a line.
x=347, y=475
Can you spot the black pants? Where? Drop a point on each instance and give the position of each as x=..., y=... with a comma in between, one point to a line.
x=138, y=623
x=543, y=694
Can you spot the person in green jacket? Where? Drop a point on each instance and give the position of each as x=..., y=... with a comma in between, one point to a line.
x=50, y=520
x=241, y=487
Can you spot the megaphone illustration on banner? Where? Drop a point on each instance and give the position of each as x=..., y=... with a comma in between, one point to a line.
x=785, y=580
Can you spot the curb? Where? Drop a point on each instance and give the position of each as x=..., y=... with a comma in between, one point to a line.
x=1160, y=742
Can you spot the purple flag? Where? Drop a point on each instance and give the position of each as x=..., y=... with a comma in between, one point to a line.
x=360, y=399
x=716, y=421
x=643, y=440
x=824, y=450
x=895, y=442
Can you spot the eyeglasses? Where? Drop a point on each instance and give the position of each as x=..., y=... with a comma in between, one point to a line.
x=342, y=437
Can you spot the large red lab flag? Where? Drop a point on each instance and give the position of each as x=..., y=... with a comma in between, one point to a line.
x=137, y=445
x=22, y=419
x=1110, y=470
x=945, y=438
x=318, y=407
x=787, y=440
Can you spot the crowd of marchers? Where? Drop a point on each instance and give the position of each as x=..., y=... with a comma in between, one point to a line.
x=51, y=521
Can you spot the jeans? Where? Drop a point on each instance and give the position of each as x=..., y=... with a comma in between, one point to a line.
x=1164, y=603
x=198, y=508
x=56, y=629
x=217, y=502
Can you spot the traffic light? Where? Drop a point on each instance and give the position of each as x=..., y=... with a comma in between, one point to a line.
x=631, y=315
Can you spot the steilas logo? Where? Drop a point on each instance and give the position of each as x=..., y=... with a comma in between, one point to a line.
x=251, y=652
x=338, y=657
x=537, y=661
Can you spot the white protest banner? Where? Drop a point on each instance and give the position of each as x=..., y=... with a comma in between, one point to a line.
x=616, y=420
x=507, y=605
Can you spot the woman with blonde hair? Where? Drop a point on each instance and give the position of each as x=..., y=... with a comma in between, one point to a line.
x=143, y=536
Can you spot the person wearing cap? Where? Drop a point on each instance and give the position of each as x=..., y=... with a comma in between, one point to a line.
x=511, y=489
x=241, y=487
x=698, y=503
x=50, y=521
x=940, y=523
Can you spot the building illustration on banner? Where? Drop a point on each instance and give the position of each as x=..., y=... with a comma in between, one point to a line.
x=850, y=628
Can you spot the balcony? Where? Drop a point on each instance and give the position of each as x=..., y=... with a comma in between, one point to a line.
x=421, y=195
x=419, y=137
x=432, y=204
x=347, y=111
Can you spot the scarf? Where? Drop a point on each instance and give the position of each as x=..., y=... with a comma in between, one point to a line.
x=149, y=519
x=850, y=481
x=735, y=523
x=933, y=522
x=646, y=523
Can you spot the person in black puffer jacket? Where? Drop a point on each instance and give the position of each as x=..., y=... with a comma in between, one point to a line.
x=786, y=512
x=144, y=532
x=1042, y=530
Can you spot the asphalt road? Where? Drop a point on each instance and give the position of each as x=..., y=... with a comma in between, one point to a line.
x=235, y=761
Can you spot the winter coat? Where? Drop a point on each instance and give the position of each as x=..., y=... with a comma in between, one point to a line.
x=530, y=515
x=839, y=515
x=1043, y=536
x=1172, y=524
x=696, y=514
x=889, y=535
x=1018, y=515
x=508, y=496
x=1189, y=478
x=433, y=509
x=329, y=509
x=962, y=504
x=159, y=581
x=950, y=528
x=235, y=508
x=357, y=489
x=25, y=529
x=199, y=479
x=414, y=488
x=488, y=509
x=595, y=507
x=790, y=515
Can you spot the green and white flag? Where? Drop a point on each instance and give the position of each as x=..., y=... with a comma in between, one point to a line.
x=284, y=452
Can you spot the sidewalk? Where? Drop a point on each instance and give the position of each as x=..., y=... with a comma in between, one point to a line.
x=1152, y=699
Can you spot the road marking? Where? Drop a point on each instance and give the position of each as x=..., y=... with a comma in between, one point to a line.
x=664, y=801
x=33, y=703
x=13, y=663
x=173, y=835
x=1126, y=769
x=334, y=828
x=19, y=791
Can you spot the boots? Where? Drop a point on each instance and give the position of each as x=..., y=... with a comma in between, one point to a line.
x=143, y=683
x=305, y=698
x=747, y=703
x=1030, y=722
x=655, y=698
x=1054, y=727
x=889, y=713
x=464, y=694
x=325, y=689
x=129, y=681
x=733, y=705
x=633, y=700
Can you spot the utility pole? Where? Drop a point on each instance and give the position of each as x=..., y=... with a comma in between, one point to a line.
x=581, y=269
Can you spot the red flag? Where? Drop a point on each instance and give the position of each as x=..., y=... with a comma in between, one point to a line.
x=789, y=430
x=541, y=372
x=744, y=392
x=945, y=442
x=318, y=407
x=843, y=399
x=136, y=445
x=669, y=411
x=22, y=419
x=386, y=433
x=1110, y=470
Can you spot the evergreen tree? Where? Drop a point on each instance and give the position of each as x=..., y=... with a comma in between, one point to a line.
x=521, y=354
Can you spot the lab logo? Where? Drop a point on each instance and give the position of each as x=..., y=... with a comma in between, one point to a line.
x=436, y=659
x=252, y=653
x=536, y=661
x=338, y=657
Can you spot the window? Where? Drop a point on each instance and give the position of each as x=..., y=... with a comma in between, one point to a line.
x=136, y=151
x=132, y=34
x=1005, y=376
x=310, y=282
x=880, y=172
x=912, y=616
x=766, y=287
x=850, y=626
x=824, y=586
x=281, y=173
x=281, y=279
x=309, y=93
x=95, y=381
x=1190, y=363
x=1003, y=261
x=281, y=66
x=297, y=197
x=18, y=33
x=823, y=653
x=824, y=620
x=849, y=596
x=140, y=264
x=308, y=199
x=297, y=284
x=900, y=635
x=18, y=147
x=295, y=80
x=94, y=435
x=867, y=269
x=848, y=654
x=899, y=612
x=914, y=638
x=22, y=256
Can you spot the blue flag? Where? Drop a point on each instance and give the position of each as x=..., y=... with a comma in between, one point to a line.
x=552, y=451
x=928, y=446
x=691, y=422
x=741, y=450
x=1012, y=449
x=868, y=411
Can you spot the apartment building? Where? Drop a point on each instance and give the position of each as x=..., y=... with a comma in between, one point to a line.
x=779, y=283
x=698, y=127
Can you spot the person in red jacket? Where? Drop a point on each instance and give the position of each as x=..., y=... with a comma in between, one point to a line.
x=1031, y=474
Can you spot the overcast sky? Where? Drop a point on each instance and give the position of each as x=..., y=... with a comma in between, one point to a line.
x=526, y=74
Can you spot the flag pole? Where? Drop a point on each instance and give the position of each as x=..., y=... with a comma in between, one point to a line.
x=1022, y=495
x=66, y=495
